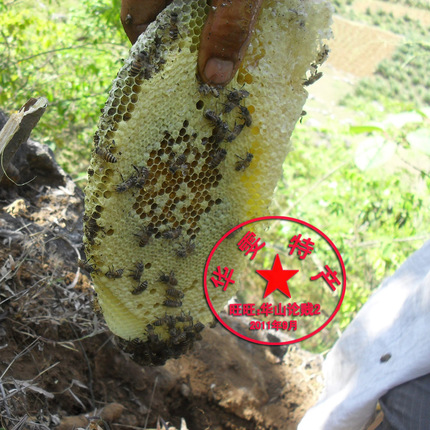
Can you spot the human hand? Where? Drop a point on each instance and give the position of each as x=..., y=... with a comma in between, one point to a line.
x=224, y=39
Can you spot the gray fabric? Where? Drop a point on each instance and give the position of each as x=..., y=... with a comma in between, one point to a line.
x=407, y=407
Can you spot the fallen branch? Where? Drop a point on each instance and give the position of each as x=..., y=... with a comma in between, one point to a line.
x=18, y=129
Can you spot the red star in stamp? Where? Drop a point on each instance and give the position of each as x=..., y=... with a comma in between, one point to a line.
x=277, y=278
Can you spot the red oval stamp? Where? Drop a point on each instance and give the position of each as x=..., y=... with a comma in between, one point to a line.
x=293, y=280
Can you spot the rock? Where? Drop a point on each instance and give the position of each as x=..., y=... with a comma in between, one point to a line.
x=112, y=412
x=72, y=423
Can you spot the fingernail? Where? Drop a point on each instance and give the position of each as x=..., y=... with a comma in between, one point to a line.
x=218, y=71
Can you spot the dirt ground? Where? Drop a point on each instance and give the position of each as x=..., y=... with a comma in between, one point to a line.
x=222, y=384
x=358, y=48
x=59, y=364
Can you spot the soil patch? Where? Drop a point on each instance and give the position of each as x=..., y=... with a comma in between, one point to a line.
x=358, y=48
x=60, y=366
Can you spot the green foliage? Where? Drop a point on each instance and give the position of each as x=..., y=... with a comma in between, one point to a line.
x=341, y=6
x=403, y=77
x=68, y=57
x=420, y=140
x=420, y=4
x=376, y=212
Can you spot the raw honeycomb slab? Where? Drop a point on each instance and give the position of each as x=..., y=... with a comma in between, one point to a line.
x=176, y=164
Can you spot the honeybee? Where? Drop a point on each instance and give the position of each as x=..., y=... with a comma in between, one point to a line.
x=136, y=180
x=126, y=185
x=173, y=233
x=173, y=292
x=137, y=273
x=323, y=55
x=243, y=163
x=159, y=322
x=172, y=303
x=186, y=249
x=302, y=115
x=142, y=174
x=229, y=106
x=234, y=233
x=212, y=116
x=236, y=96
x=217, y=158
x=170, y=320
x=220, y=133
x=157, y=40
x=199, y=327
x=169, y=279
x=140, y=288
x=246, y=115
x=174, y=332
x=236, y=131
x=83, y=264
x=128, y=19
x=184, y=318
x=152, y=336
x=114, y=274
x=96, y=306
x=145, y=236
x=105, y=155
x=174, y=31
x=179, y=163
x=91, y=228
x=312, y=79
x=180, y=338
x=221, y=128
x=141, y=356
x=140, y=61
x=91, y=223
x=190, y=330
x=206, y=89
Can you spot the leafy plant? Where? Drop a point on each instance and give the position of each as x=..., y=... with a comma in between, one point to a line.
x=66, y=57
x=355, y=184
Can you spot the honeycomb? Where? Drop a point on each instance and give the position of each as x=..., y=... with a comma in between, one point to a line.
x=177, y=163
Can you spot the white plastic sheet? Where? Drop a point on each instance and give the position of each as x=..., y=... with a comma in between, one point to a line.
x=394, y=323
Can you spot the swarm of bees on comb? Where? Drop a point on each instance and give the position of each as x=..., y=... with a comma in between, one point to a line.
x=177, y=163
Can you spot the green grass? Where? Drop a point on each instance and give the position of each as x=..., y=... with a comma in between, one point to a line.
x=375, y=217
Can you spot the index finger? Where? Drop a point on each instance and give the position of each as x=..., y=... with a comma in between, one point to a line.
x=225, y=38
x=136, y=15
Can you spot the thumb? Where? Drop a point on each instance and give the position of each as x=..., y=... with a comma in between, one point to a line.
x=225, y=38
